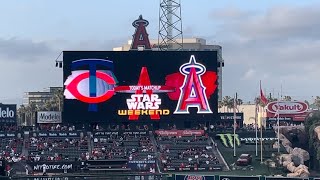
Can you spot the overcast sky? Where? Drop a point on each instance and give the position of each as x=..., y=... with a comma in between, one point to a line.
x=276, y=42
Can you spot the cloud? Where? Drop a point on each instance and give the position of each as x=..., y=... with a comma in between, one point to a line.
x=281, y=43
x=249, y=74
x=277, y=23
x=23, y=50
x=229, y=13
x=26, y=65
x=283, y=22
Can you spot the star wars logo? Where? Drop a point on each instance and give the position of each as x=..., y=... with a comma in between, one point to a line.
x=144, y=104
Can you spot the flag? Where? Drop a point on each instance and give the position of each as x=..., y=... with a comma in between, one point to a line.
x=263, y=99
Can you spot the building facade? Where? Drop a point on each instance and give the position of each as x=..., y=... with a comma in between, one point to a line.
x=39, y=98
x=249, y=113
x=189, y=44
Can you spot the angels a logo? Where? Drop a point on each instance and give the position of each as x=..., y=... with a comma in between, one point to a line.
x=192, y=92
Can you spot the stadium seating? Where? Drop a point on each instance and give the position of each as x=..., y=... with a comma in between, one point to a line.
x=123, y=146
x=56, y=148
x=11, y=148
x=193, y=153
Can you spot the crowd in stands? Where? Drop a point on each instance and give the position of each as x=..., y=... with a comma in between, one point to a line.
x=10, y=128
x=184, y=152
x=122, y=142
x=56, y=127
x=122, y=146
x=56, y=148
x=11, y=149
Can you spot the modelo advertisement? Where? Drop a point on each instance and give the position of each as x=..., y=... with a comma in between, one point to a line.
x=287, y=110
x=49, y=117
x=8, y=113
x=140, y=86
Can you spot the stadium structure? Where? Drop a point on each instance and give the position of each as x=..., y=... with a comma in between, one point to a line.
x=148, y=114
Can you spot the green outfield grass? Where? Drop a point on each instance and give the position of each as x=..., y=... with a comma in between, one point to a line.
x=257, y=167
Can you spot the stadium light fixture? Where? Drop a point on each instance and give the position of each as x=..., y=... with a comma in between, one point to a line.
x=59, y=63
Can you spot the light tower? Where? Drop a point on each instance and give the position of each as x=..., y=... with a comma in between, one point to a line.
x=170, y=37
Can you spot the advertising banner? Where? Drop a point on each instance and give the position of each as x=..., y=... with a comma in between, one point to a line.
x=108, y=133
x=285, y=178
x=287, y=110
x=194, y=177
x=54, y=167
x=49, y=117
x=180, y=132
x=57, y=134
x=239, y=178
x=144, y=86
x=230, y=116
x=8, y=113
x=142, y=165
x=7, y=135
x=213, y=168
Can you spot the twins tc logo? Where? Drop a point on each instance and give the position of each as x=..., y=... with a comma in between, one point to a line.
x=192, y=92
x=90, y=86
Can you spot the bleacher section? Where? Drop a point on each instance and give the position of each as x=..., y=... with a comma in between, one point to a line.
x=134, y=149
x=11, y=145
x=66, y=146
x=126, y=150
x=179, y=153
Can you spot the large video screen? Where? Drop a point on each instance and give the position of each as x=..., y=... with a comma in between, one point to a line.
x=142, y=86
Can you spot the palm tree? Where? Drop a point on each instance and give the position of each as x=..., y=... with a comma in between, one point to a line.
x=226, y=102
x=48, y=106
x=230, y=104
x=287, y=98
x=57, y=100
x=317, y=101
x=271, y=99
x=239, y=103
x=260, y=103
x=31, y=110
x=220, y=104
x=22, y=115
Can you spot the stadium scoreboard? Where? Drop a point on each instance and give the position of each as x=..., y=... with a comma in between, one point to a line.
x=142, y=86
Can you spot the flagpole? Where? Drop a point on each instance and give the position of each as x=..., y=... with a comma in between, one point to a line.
x=234, y=124
x=256, y=127
x=262, y=98
x=278, y=122
x=261, y=143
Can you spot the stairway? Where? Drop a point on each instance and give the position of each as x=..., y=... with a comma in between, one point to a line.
x=156, y=152
x=217, y=153
x=25, y=150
